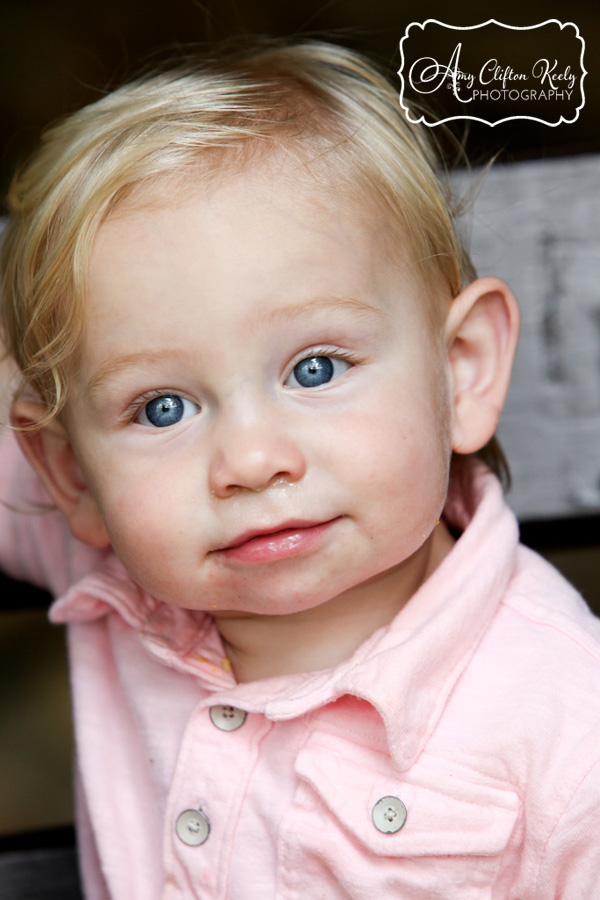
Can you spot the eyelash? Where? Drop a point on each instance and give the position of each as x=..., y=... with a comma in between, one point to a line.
x=334, y=353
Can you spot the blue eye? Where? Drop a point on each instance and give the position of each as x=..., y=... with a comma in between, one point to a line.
x=315, y=371
x=168, y=409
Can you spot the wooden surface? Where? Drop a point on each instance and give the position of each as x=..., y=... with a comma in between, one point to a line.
x=537, y=225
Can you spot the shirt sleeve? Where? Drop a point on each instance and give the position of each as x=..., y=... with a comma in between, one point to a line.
x=35, y=542
x=570, y=868
x=94, y=883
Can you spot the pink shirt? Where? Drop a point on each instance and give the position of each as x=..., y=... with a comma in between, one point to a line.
x=475, y=711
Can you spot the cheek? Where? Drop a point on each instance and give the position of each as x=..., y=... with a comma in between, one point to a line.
x=394, y=438
x=143, y=512
x=395, y=459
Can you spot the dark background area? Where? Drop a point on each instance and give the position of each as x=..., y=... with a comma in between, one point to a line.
x=57, y=55
x=60, y=54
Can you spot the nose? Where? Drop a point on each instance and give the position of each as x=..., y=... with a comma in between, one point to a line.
x=253, y=456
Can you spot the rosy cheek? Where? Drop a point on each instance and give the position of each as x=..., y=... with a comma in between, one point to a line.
x=135, y=515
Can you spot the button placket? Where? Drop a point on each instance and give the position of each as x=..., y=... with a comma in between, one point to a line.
x=212, y=774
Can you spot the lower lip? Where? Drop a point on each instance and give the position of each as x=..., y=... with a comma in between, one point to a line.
x=280, y=545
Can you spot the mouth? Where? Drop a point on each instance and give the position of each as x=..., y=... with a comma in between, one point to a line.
x=268, y=545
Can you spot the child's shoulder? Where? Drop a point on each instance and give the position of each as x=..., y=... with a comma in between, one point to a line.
x=551, y=612
x=541, y=712
x=532, y=688
x=538, y=608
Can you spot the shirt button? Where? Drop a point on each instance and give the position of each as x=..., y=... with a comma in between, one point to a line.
x=389, y=815
x=192, y=827
x=227, y=718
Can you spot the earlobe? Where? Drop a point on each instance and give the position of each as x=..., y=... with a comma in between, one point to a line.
x=49, y=451
x=482, y=330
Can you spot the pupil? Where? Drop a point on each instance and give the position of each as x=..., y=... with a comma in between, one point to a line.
x=163, y=411
x=314, y=371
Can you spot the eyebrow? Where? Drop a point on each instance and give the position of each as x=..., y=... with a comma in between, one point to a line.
x=324, y=304
x=113, y=367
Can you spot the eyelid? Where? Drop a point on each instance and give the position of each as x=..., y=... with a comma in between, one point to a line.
x=321, y=350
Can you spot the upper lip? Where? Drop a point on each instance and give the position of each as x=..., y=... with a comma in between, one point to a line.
x=274, y=529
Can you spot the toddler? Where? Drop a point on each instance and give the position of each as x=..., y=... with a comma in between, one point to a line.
x=309, y=657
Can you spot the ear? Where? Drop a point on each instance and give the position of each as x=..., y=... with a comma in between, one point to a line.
x=482, y=330
x=48, y=449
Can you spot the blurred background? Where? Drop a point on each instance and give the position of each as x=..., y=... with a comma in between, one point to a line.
x=57, y=56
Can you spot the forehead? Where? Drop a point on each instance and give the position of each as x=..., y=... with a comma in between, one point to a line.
x=245, y=242
x=273, y=191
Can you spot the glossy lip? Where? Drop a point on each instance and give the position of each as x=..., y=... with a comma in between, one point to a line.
x=286, y=540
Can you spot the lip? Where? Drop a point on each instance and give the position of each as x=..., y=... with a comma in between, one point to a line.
x=282, y=542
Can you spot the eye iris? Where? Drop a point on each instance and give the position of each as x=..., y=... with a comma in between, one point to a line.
x=163, y=411
x=313, y=371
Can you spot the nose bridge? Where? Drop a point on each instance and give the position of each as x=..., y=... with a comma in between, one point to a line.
x=253, y=446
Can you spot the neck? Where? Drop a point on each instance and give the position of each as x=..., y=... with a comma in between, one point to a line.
x=322, y=637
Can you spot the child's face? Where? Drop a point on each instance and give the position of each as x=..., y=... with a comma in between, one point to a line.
x=301, y=445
